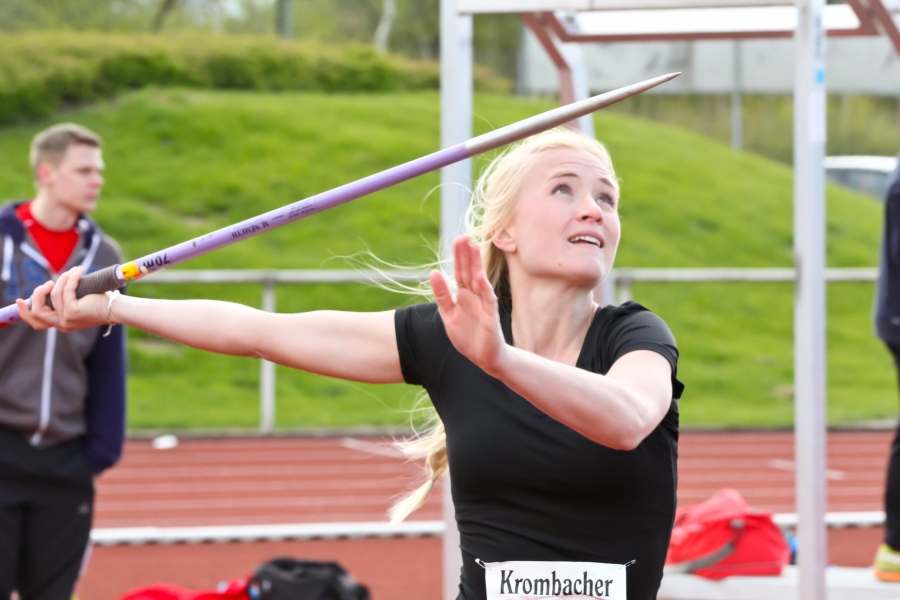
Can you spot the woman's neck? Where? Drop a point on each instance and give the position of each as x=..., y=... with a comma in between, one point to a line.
x=551, y=319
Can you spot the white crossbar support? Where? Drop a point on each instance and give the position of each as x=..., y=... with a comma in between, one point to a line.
x=521, y=6
x=809, y=302
x=844, y=583
x=267, y=370
x=836, y=520
x=456, y=183
x=364, y=529
x=456, y=119
x=574, y=56
x=262, y=533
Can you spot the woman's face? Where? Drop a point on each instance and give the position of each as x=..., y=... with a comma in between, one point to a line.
x=566, y=221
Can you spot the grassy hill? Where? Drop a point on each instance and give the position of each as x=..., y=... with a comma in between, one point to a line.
x=183, y=162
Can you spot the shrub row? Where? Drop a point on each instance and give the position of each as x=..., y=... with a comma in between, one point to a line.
x=40, y=72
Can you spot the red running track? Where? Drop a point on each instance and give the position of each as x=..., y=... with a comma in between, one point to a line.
x=303, y=480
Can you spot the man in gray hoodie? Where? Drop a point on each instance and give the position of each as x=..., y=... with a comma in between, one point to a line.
x=62, y=396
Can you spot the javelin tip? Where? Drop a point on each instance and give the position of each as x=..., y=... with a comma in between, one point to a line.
x=559, y=116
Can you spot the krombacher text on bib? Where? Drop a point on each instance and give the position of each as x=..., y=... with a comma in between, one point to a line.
x=544, y=579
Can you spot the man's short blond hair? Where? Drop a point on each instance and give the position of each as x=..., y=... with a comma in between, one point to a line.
x=50, y=145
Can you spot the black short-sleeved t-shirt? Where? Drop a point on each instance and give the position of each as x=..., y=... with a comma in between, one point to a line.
x=526, y=487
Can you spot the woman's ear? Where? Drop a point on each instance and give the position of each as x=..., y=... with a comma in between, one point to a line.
x=504, y=240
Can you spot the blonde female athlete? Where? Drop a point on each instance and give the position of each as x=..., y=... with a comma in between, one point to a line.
x=560, y=416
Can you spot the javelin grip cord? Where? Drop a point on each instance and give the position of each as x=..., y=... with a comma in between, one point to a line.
x=98, y=282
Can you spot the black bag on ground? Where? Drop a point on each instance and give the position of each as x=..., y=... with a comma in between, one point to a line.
x=291, y=579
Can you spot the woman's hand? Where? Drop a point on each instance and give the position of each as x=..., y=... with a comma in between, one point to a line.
x=471, y=320
x=68, y=313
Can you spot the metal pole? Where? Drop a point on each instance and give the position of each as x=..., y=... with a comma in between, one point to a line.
x=809, y=304
x=737, y=100
x=574, y=55
x=456, y=120
x=267, y=369
x=456, y=183
x=624, y=291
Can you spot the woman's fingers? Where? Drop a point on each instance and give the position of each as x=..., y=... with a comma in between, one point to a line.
x=461, y=259
x=68, y=292
x=486, y=292
x=39, y=298
x=474, y=293
x=29, y=317
x=55, y=297
x=39, y=315
x=441, y=290
x=475, y=266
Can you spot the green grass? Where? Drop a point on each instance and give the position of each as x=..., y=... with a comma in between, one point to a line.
x=183, y=162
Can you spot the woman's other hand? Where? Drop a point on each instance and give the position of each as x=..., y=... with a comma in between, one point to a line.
x=68, y=313
x=471, y=319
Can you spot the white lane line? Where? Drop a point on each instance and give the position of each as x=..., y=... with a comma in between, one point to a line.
x=391, y=485
x=262, y=519
x=301, y=455
x=237, y=503
x=788, y=465
x=194, y=473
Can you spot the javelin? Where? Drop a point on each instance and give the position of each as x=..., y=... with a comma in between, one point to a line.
x=113, y=277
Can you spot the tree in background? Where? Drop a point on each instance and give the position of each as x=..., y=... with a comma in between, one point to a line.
x=385, y=24
x=164, y=9
x=97, y=15
x=409, y=27
x=415, y=31
x=284, y=18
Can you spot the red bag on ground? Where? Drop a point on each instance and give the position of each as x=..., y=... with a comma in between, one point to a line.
x=724, y=536
x=233, y=590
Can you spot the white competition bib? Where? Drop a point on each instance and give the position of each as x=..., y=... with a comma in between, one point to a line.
x=523, y=579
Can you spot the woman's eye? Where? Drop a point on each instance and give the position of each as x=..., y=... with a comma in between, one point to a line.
x=607, y=199
x=562, y=188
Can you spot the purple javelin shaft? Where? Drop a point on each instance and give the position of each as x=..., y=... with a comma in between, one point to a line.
x=122, y=274
x=290, y=213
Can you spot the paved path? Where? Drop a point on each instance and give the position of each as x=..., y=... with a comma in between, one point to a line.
x=302, y=480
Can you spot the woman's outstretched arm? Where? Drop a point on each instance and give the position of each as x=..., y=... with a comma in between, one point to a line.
x=355, y=346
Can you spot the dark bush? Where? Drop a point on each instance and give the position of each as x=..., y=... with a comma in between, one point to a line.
x=130, y=70
x=39, y=72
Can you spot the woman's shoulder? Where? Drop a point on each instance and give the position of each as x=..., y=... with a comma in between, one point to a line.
x=631, y=324
x=631, y=327
x=425, y=312
x=422, y=342
x=630, y=313
x=421, y=321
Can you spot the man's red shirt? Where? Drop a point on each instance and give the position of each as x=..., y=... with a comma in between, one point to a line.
x=56, y=246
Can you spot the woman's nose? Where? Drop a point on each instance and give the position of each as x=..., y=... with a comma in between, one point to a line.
x=590, y=210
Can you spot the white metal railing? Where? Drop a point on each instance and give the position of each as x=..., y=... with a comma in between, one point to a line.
x=370, y=529
x=269, y=279
x=622, y=280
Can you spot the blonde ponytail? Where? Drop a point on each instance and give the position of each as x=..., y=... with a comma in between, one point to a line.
x=434, y=447
x=492, y=208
